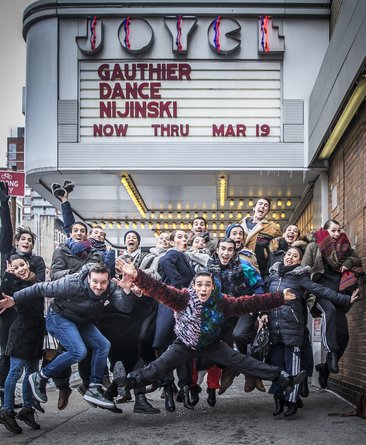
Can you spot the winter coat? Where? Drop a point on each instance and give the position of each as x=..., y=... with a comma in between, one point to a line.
x=36, y=262
x=64, y=262
x=313, y=258
x=258, y=238
x=73, y=298
x=175, y=269
x=199, y=324
x=26, y=332
x=286, y=324
x=108, y=256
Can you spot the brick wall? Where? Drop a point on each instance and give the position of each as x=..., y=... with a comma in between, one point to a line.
x=347, y=198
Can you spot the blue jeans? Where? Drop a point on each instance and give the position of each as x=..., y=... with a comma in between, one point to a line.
x=17, y=366
x=76, y=339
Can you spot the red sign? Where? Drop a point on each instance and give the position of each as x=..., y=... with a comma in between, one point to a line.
x=15, y=181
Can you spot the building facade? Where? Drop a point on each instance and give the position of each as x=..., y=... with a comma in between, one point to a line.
x=160, y=111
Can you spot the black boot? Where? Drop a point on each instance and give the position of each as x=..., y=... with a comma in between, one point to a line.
x=142, y=406
x=195, y=390
x=279, y=404
x=332, y=362
x=211, y=398
x=304, y=388
x=186, y=398
x=323, y=371
x=169, y=401
x=291, y=409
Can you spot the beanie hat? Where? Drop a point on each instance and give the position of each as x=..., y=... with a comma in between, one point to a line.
x=136, y=233
x=231, y=227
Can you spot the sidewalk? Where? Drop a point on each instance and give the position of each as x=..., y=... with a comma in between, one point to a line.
x=237, y=418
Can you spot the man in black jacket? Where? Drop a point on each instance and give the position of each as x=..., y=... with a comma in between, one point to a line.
x=78, y=301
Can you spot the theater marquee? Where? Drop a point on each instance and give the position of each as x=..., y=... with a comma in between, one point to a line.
x=200, y=100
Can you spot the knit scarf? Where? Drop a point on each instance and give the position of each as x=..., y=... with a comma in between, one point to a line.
x=98, y=245
x=79, y=248
x=335, y=253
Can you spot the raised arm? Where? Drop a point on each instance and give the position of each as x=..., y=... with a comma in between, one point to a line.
x=324, y=292
x=176, y=299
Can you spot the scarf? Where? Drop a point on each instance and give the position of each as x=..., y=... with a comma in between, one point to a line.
x=335, y=253
x=98, y=245
x=282, y=269
x=79, y=248
x=26, y=255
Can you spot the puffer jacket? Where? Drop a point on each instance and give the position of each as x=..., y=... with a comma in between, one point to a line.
x=73, y=298
x=286, y=323
x=64, y=262
x=26, y=332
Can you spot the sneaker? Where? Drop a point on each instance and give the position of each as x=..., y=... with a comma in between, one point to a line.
x=82, y=389
x=8, y=420
x=38, y=385
x=27, y=415
x=95, y=395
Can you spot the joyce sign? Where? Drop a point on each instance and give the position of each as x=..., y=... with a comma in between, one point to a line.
x=199, y=100
x=15, y=181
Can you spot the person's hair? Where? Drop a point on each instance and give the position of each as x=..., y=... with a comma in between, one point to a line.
x=269, y=200
x=79, y=223
x=301, y=252
x=225, y=240
x=95, y=227
x=172, y=235
x=203, y=273
x=125, y=257
x=288, y=225
x=15, y=256
x=27, y=230
x=198, y=236
x=327, y=223
x=99, y=268
x=200, y=218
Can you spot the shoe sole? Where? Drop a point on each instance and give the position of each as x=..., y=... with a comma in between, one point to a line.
x=99, y=403
x=30, y=379
x=141, y=411
x=119, y=374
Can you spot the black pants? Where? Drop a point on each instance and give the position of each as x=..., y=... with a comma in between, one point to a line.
x=218, y=352
x=335, y=333
x=244, y=331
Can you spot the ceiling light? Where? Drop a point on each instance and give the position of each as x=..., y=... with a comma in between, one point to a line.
x=188, y=216
x=213, y=215
x=134, y=225
x=126, y=225
x=232, y=203
x=288, y=203
x=241, y=203
x=283, y=215
x=102, y=225
x=222, y=190
x=110, y=225
x=279, y=203
x=239, y=215
x=119, y=225
x=174, y=226
x=150, y=225
x=134, y=195
x=142, y=225
x=250, y=203
x=274, y=215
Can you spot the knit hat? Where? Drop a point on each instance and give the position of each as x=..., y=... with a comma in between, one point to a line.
x=136, y=233
x=231, y=227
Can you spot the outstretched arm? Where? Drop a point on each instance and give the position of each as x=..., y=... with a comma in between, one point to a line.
x=174, y=298
x=255, y=303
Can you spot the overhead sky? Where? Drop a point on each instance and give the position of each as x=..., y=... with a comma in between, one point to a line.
x=12, y=73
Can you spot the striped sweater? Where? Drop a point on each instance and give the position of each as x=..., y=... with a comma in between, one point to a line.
x=199, y=324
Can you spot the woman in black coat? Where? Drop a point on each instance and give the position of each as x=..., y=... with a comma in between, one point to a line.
x=24, y=345
x=286, y=323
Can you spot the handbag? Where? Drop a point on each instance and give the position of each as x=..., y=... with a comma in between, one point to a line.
x=261, y=344
x=51, y=349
